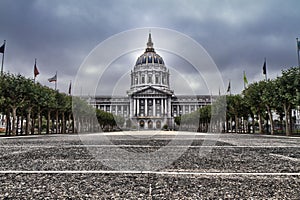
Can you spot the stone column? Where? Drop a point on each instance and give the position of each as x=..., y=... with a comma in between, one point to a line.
x=134, y=107
x=146, y=107
x=161, y=108
x=138, y=107
x=169, y=107
x=154, y=107
x=130, y=107
x=166, y=106
x=127, y=107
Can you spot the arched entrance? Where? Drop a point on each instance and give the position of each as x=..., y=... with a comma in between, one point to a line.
x=142, y=124
x=158, y=125
x=150, y=124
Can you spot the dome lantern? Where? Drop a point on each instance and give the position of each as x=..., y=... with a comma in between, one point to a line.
x=150, y=44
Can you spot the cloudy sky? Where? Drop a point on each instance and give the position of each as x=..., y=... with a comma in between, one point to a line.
x=237, y=34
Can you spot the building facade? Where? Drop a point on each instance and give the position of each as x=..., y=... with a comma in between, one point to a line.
x=150, y=103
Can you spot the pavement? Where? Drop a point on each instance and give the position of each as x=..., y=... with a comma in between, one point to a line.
x=150, y=165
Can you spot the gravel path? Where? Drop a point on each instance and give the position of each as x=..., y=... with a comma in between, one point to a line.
x=228, y=153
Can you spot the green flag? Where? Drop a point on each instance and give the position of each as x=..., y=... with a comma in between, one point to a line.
x=245, y=79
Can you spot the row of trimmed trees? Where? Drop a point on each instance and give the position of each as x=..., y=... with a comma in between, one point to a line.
x=27, y=107
x=255, y=107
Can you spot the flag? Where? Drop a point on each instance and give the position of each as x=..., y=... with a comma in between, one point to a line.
x=35, y=70
x=265, y=68
x=229, y=88
x=70, y=88
x=245, y=79
x=2, y=48
x=53, y=79
x=298, y=45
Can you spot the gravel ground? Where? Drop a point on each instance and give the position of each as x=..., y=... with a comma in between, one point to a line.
x=228, y=153
x=143, y=186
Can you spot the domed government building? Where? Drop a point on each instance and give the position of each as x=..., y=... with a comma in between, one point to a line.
x=150, y=103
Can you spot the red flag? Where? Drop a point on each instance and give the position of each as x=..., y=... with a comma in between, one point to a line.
x=35, y=70
x=53, y=79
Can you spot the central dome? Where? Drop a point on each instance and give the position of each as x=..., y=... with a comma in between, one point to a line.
x=149, y=71
x=149, y=57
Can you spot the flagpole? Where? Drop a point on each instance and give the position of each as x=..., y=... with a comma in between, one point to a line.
x=298, y=52
x=3, y=58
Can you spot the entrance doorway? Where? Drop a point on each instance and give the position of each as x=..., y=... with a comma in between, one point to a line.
x=150, y=124
x=142, y=124
x=158, y=125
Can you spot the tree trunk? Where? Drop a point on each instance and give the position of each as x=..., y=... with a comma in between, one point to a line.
x=14, y=116
x=27, y=131
x=63, y=121
x=22, y=127
x=18, y=122
x=48, y=122
x=287, y=119
x=253, y=123
x=236, y=119
x=7, y=129
x=32, y=126
x=260, y=123
x=73, y=123
x=57, y=122
x=271, y=120
x=39, y=122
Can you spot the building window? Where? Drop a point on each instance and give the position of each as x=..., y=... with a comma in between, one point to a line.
x=164, y=80
x=156, y=80
x=144, y=60
x=149, y=78
x=150, y=59
x=143, y=79
x=136, y=80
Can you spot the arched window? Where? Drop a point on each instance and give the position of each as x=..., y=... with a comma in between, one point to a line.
x=150, y=59
x=144, y=60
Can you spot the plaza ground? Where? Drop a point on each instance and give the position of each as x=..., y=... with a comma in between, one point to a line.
x=150, y=165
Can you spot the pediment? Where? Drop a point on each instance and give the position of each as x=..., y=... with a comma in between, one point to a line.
x=152, y=91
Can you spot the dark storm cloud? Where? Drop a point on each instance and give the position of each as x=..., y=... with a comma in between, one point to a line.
x=237, y=34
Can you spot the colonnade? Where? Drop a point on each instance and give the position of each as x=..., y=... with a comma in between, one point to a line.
x=150, y=107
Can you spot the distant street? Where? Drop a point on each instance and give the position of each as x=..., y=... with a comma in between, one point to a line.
x=142, y=165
